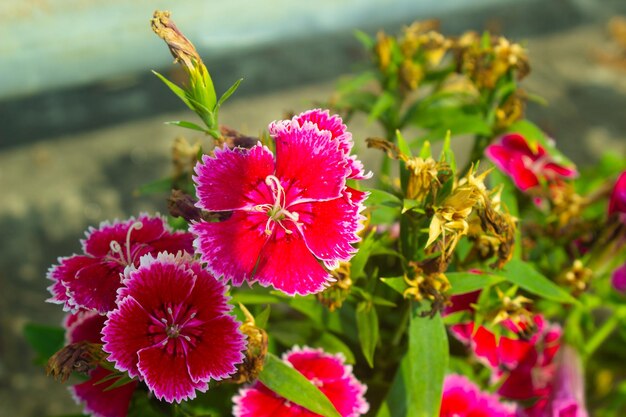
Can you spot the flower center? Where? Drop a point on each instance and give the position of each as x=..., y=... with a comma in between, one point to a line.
x=117, y=252
x=276, y=212
x=179, y=323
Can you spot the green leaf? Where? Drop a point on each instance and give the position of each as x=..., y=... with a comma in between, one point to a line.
x=176, y=90
x=395, y=403
x=162, y=185
x=285, y=381
x=382, y=104
x=248, y=297
x=382, y=198
x=186, y=125
x=228, y=93
x=332, y=344
x=366, y=40
x=464, y=282
x=262, y=318
x=45, y=340
x=428, y=360
x=447, y=154
x=403, y=145
x=367, y=326
x=357, y=265
x=525, y=276
x=396, y=283
x=408, y=204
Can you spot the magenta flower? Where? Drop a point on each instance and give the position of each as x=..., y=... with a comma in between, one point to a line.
x=90, y=281
x=462, y=398
x=293, y=217
x=617, y=202
x=93, y=394
x=328, y=372
x=526, y=167
x=172, y=327
x=618, y=279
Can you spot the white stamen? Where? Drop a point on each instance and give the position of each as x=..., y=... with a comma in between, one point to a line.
x=276, y=212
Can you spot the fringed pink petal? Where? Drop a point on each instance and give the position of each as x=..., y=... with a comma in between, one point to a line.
x=311, y=161
x=330, y=227
x=66, y=271
x=217, y=350
x=231, y=248
x=98, y=241
x=101, y=403
x=126, y=331
x=288, y=265
x=94, y=286
x=165, y=373
x=462, y=398
x=258, y=401
x=617, y=202
x=84, y=326
x=224, y=182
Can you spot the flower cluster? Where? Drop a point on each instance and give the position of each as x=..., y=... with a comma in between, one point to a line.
x=293, y=216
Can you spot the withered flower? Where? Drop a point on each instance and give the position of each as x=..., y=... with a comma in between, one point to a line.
x=184, y=156
x=78, y=357
x=255, y=353
x=424, y=285
x=411, y=74
x=511, y=308
x=334, y=296
x=511, y=110
x=181, y=48
x=576, y=277
x=423, y=177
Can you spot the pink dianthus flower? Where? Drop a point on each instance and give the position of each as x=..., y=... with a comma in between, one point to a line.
x=98, y=400
x=293, y=216
x=172, y=327
x=617, y=202
x=326, y=371
x=462, y=398
x=526, y=167
x=89, y=281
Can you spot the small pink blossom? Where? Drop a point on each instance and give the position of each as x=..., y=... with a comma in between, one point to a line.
x=617, y=202
x=93, y=394
x=526, y=167
x=328, y=372
x=618, y=279
x=293, y=217
x=462, y=398
x=90, y=281
x=172, y=327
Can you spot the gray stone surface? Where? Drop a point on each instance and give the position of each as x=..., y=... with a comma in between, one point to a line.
x=53, y=189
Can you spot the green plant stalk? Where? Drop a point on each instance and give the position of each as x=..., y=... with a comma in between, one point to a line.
x=604, y=332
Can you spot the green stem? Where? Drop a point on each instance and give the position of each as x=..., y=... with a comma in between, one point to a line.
x=603, y=332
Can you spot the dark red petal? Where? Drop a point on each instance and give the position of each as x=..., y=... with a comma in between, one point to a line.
x=95, y=286
x=84, y=326
x=522, y=176
x=552, y=168
x=66, y=271
x=172, y=243
x=217, y=350
x=500, y=156
x=165, y=373
x=311, y=161
x=516, y=143
x=125, y=332
x=226, y=181
x=289, y=266
x=100, y=403
x=231, y=248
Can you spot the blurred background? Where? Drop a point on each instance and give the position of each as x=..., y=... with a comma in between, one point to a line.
x=81, y=116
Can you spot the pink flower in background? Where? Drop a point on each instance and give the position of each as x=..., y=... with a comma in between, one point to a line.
x=328, y=372
x=618, y=279
x=462, y=398
x=293, y=217
x=567, y=397
x=97, y=400
x=617, y=202
x=527, y=168
x=172, y=327
x=90, y=281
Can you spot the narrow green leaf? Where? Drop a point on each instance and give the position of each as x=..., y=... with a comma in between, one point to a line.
x=446, y=153
x=332, y=344
x=357, y=265
x=293, y=386
x=428, y=360
x=366, y=40
x=162, y=185
x=382, y=198
x=396, y=283
x=408, y=204
x=262, y=318
x=403, y=145
x=247, y=297
x=525, y=276
x=396, y=401
x=425, y=151
x=367, y=326
x=464, y=282
x=175, y=89
x=227, y=94
x=45, y=340
x=383, y=103
x=186, y=125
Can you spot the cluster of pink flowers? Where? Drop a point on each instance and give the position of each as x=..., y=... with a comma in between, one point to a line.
x=163, y=318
